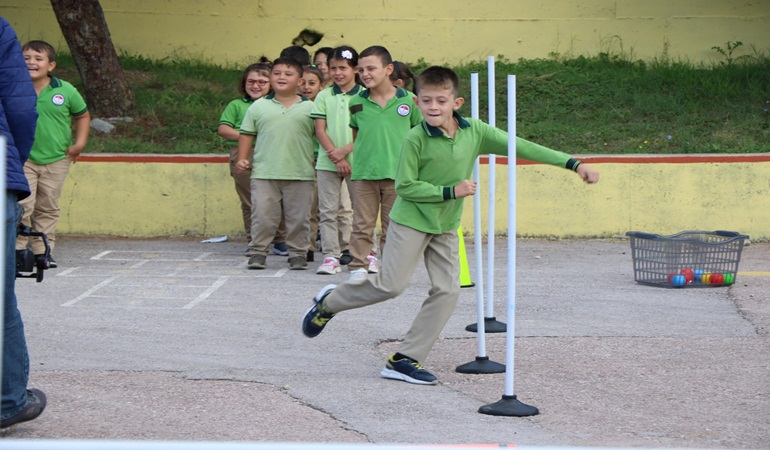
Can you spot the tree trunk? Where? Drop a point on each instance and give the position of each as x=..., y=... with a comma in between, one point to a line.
x=85, y=30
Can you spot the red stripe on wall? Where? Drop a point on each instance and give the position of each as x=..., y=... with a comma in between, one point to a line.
x=144, y=158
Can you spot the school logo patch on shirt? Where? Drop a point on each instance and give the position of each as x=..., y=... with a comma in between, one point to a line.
x=403, y=110
x=58, y=99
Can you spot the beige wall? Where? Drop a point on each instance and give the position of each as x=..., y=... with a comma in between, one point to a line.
x=439, y=31
x=144, y=195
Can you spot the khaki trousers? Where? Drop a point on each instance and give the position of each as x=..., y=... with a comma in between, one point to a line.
x=41, y=208
x=243, y=189
x=405, y=246
x=335, y=212
x=272, y=200
x=370, y=197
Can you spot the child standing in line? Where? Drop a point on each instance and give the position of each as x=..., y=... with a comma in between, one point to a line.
x=254, y=84
x=380, y=117
x=59, y=105
x=312, y=84
x=332, y=127
x=433, y=178
x=279, y=129
x=321, y=60
x=402, y=76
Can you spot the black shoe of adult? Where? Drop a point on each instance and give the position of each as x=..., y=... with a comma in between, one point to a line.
x=35, y=405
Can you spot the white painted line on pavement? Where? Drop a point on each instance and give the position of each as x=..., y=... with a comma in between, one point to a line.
x=213, y=288
x=89, y=292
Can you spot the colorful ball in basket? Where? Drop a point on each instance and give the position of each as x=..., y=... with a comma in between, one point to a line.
x=729, y=278
x=705, y=278
x=677, y=280
x=689, y=275
x=717, y=278
x=697, y=275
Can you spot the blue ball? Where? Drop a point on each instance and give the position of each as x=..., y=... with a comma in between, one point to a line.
x=678, y=280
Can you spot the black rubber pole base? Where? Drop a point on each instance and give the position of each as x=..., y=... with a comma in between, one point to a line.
x=482, y=364
x=491, y=325
x=509, y=406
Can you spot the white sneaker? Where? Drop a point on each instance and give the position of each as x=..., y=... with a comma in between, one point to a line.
x=358, y=274
x=374, y=265
x=330, y=266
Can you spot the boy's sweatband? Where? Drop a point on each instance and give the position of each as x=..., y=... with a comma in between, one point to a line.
x=449, y=193
x=572, y=164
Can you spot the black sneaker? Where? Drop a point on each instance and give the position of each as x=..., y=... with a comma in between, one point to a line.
x=51, y=263
x=35, y=405
x=317, y=316
x=409, y=370
x=297, y=263
x=345, y=258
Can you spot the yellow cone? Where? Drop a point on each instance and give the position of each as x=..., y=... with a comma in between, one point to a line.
x=465, y=273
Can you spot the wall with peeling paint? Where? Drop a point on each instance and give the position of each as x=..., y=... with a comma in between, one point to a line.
x=439, y=31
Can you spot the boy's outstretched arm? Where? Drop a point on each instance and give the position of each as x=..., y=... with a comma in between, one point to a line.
x=587, y=173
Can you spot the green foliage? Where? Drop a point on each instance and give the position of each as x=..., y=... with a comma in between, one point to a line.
x=604, y=104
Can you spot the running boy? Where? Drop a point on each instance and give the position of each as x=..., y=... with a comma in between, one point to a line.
x=436, y=162
x=380, y=117
x=279, y=129
x=59, y=105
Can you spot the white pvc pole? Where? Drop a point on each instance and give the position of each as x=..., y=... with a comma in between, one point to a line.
x=491, y=195
x=477, y=254
x=511, y=313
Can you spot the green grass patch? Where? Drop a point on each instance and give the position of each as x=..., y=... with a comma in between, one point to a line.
x=601, y=104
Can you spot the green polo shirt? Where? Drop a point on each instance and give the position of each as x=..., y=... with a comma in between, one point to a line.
x=380, y=133
x=284, y=146
x=233, y=115
x=57, y=104
x=332, y=105
x=432, y=163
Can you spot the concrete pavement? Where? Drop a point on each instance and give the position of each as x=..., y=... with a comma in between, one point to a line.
x=177, y=340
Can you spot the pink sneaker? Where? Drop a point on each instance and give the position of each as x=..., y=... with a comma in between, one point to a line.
x=330, y=266
x=374, y=265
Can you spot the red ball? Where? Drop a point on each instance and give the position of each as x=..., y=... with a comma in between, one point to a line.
x=689, y=275
x=717, y=278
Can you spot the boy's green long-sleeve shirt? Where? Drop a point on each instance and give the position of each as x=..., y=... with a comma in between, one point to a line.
x=432, y=163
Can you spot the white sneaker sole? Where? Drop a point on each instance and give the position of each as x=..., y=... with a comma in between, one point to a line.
x=395, y=375
x=326, y=271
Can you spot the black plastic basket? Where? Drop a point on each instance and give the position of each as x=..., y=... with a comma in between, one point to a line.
x=686, y=259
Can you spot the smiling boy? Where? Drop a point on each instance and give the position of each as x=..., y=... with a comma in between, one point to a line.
x=59, y=105
x=279, y=129
x=380, y=117
x=436, y=161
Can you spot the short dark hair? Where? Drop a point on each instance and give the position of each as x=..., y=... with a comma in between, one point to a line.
x=438, y=76
x=263, y=67
x=291, y=62
x=42, y=47
x=378, y=50
x=297, y=52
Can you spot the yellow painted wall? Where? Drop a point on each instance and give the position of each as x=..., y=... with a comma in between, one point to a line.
x=172, y=199
x=440, y=31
